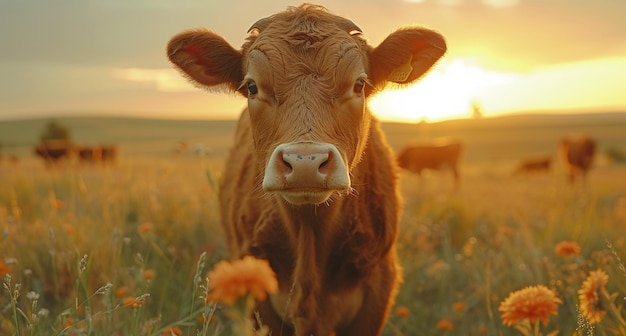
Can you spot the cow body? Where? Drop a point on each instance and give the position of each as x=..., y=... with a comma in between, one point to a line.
x=310, y=183
x=577, y=153
x=534, y=165
x=438, y=156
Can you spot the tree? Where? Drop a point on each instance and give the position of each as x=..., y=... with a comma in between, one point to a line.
x=55, y=131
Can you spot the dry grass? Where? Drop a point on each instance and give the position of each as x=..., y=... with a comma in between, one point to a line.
x=115, y=250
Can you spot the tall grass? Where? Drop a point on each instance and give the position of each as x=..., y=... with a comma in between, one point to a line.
x=124, y=249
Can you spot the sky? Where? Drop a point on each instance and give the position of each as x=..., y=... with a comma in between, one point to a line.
x=107, y=57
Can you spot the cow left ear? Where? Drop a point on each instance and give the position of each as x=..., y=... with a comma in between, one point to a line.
x=206, y=58
x=406, y=55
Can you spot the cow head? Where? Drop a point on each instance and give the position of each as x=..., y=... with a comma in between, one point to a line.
x=306, y=74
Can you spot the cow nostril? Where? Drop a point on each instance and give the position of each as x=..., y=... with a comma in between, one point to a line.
x=287, y=165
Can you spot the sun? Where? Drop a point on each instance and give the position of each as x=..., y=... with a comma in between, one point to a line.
x=449, y=91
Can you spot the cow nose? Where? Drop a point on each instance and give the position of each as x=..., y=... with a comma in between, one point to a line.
x=299, y=165
x=306, y=167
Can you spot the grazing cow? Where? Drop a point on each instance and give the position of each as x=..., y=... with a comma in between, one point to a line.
x=310, y=183
x=108, y=153
x=534, y=165
x=577, y=155
x=88, y=154
x=52, y=151
x=438, y=156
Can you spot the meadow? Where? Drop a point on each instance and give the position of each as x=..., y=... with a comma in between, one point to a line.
x=124, y=248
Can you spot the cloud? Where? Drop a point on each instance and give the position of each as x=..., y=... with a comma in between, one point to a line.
x=164, y=80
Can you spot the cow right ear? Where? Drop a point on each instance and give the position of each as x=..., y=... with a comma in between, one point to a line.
x=206, y=59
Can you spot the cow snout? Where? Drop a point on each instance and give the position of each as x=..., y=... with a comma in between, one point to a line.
x=306, y=173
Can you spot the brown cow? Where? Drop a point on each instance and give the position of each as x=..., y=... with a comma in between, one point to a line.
x=310, y=183
x=437, y=156
x=577, y=153
x=534, y=165
x=53, y=151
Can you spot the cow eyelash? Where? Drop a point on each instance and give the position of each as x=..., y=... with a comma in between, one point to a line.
x=359, y=85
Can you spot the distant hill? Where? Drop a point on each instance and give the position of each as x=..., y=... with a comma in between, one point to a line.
x=487, y=139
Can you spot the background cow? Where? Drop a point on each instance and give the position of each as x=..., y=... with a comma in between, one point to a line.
x=53, y=151
x=577, y=153
x=437, y=156
x=310, y=183
x=534, y=165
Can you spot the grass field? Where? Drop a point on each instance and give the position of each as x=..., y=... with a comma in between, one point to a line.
x=116, y=249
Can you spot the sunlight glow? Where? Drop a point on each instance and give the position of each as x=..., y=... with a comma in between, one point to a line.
x=448, y=91
x=164, y=80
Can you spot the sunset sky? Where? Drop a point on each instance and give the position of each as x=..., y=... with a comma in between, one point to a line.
x=86, y=57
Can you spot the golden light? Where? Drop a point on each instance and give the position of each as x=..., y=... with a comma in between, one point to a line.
x=447, y=92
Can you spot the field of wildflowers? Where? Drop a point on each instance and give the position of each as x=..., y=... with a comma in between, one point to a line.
x=127, y=250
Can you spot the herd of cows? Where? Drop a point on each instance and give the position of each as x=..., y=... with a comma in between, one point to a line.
x=55, y=151
x=576, y=154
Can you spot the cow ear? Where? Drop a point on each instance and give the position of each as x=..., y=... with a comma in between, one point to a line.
x=206, y=59
x=406, y=54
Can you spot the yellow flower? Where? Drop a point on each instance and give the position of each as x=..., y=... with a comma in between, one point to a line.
x=231, y=281
x=567, y=248
x=589, y=295
x=533, y=303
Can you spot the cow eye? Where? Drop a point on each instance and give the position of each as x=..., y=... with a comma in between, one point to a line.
x=252, y=89
x=359, y=85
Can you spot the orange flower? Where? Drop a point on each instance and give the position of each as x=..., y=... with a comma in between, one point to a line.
x=231, y=281
x=589, y=295
x=173, y=331
x=402, y=311
x=458, y=306
x=567, y=248
x=121, y=292
x=133, y=302
x=149, y=274
x=533, y=303
x=4, y=268
x=145, y=228
x=445, y=325
x=69, y=229
x=68, y=216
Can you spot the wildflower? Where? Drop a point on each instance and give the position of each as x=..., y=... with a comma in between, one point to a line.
x=458, y=306
x=121, y=291
x=69, y=229
x=231, y=281
x=173, y=331
x=445, y=325
x=68, y=216
x=402, y=311
x=533, y=303
x=567, y=248
x=133, y=302
x=149, y=274
x=589, y=295
x=145, y=228
x=5, y=268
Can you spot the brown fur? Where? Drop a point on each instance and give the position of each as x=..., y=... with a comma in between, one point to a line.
x=577, y=153
x=336, y=261
x=416, y=158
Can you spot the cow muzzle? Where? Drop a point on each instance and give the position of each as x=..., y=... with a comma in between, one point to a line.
x=306, y=172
